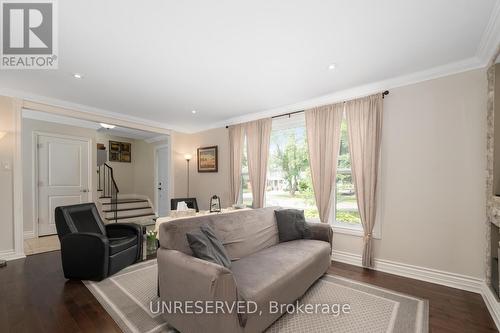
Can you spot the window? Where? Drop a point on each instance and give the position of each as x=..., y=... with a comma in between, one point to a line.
x=289, y=181
x=346, y=207
x=246, y=188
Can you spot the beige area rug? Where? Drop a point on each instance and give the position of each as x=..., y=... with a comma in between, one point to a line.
x=126, y=297
x=41, y=245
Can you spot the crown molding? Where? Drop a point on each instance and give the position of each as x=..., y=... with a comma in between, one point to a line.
x=96, y=112
x=486, y=50
x=157, y=139
x=347, y=94
x=491, y=37
x=360, y=91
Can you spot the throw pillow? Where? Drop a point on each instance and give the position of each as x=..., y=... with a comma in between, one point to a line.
x=205, y=245
x=291, y=224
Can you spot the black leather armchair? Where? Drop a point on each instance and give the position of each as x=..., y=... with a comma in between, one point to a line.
x=91, y=250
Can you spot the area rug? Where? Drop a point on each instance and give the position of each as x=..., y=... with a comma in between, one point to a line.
x=126, y=296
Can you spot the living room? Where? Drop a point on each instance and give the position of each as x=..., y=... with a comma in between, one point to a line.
x=250, y=167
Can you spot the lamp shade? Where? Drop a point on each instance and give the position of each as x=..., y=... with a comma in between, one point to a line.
x=188, y=157
x=2, y=134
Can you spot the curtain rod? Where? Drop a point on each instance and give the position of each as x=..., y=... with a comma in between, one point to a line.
x=385, y=93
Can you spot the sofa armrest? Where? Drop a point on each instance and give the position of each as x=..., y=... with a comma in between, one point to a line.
x=185, y=278
x=320, y=231
x=85, y=256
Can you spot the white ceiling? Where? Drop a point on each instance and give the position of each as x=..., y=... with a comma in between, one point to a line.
x=160, y=59
x=118, y=131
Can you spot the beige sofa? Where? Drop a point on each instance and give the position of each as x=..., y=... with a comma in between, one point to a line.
x=263, y=269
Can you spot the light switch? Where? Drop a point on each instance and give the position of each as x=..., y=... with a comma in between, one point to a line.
x=6, y=166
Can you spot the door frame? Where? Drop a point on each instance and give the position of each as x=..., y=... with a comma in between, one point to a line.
x=169, y=165
x=34, y=170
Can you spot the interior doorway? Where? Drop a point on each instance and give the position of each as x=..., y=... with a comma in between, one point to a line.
x=62, y=176
x=162, y=184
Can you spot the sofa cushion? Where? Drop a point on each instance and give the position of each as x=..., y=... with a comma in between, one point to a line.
x=291, y=224
x=205, y=245
x=281, y=273
x=242, y=232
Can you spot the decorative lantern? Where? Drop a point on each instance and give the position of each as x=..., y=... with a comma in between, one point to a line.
x=214, y=204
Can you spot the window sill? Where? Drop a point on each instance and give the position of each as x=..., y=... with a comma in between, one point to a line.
x=352, y=231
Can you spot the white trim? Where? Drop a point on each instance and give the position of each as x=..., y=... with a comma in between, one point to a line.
x=492, y=304
x=157, y=138
x=169, y=165
x=83, y=112
x=11, y=255
x=351, y=231
x=444, y=278
x=29, y=234
x=491, y=37
x=18, y=184
x=40, y=103
x=34, y=169
x=362, y=90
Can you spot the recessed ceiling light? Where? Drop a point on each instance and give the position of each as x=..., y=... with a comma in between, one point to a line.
x=193, y=112
x=107, y=126
x=332, y=67
x=77, y=76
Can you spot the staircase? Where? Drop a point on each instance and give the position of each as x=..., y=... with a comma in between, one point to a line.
x=115, y=207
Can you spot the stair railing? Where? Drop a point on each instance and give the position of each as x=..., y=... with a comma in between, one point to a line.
x=107, y=184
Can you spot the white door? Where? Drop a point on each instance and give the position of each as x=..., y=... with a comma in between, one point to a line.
x=63, y=177
x=162, y=181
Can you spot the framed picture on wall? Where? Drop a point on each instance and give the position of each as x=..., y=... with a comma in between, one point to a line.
x=120, y=151
x=208, y=159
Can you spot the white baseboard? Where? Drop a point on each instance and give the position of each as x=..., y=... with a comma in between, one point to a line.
x=11, y=255
x=29, y=235
x=492, y=304
x=448, y=279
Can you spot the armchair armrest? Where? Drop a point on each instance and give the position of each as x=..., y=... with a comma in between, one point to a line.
x=85, y=256
x=320, y=231
x=186, y=278
x=115, y=230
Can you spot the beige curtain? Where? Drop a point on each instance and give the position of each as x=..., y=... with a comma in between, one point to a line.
x=236, y=140
x=364, y=122
x=323, y=140
x=258, y=136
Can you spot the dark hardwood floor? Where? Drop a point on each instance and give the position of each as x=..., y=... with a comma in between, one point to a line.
x=450, y=310
x=35, y=297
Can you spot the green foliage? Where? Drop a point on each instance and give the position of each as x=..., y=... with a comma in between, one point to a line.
x=292, y=160
x=348, y=217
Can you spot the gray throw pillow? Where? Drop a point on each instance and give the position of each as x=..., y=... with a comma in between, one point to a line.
x=291, y=224
x=205, y=245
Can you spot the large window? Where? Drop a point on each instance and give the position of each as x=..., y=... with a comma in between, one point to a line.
x=346, y=206
x=289, y=182
x=289, y=177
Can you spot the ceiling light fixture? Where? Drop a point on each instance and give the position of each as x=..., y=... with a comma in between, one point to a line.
x=107, y=126
x=332, y=67
x=193, y=112
x=78, y=76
